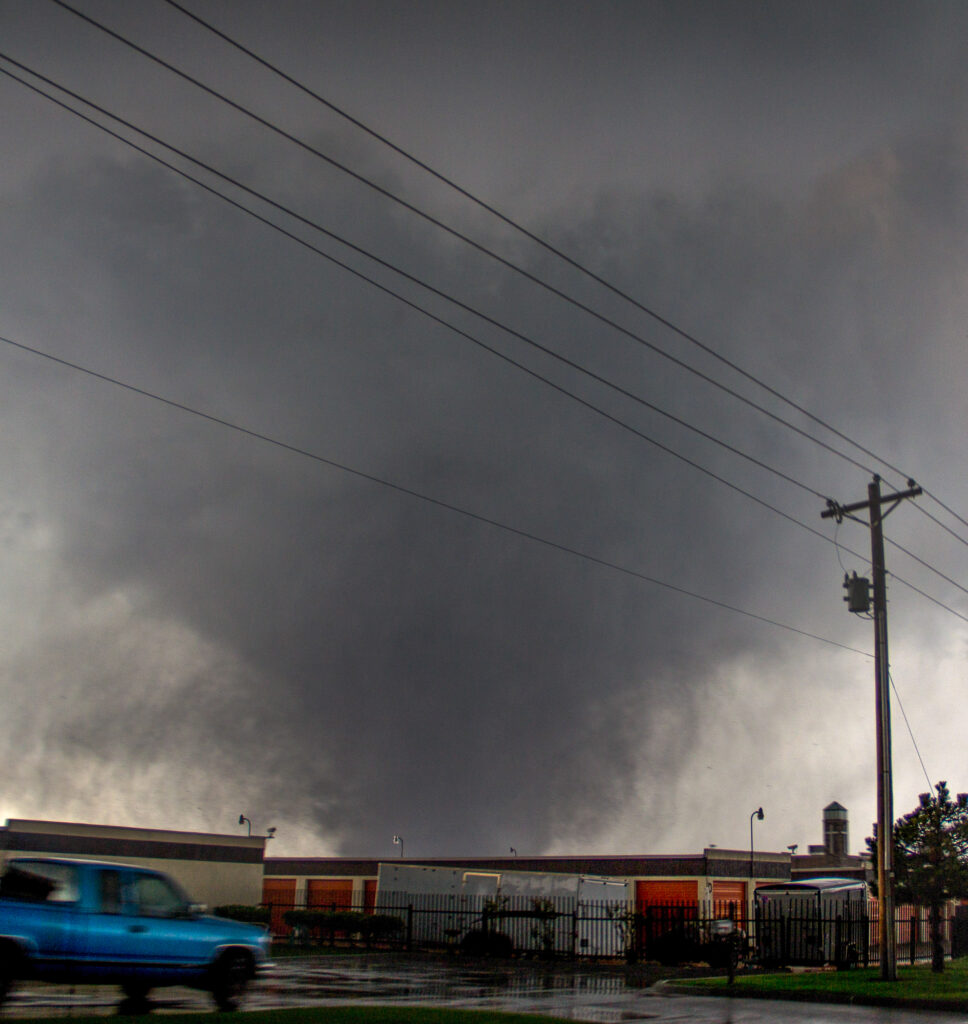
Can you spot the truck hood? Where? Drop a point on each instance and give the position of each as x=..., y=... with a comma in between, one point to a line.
x=236, y=931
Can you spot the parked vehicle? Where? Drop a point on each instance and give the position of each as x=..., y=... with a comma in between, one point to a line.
x=812, y=922
x=87, y=922
x=500, y=911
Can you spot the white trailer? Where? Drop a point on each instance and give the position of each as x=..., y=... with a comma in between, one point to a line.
x=812, y=921
x=540, y=911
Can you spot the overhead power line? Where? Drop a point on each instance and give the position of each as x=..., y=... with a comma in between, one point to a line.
x=951, y=512
x=534, y=279
x=571, y=364
x=412, y=493
x=517, y=226
x=416, y=306
x=914, y=742
x=927, y=565
x=559, y=253
x=413, y=279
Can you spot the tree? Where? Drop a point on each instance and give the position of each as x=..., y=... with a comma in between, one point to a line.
x=931, y=858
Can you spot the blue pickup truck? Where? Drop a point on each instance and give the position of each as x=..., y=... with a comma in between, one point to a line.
x=87, y=922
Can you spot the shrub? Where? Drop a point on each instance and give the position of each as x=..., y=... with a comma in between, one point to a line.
x=319, y=923
x=239, y=912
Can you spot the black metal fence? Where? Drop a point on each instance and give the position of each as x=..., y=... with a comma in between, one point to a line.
x=563, y=926
x=808, y=932
x=801, y=932
x=805, y=933
x=503, y=925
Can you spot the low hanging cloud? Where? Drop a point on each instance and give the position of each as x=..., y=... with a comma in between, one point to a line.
x=219, y=625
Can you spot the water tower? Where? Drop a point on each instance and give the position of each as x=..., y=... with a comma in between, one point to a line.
x=835, y=830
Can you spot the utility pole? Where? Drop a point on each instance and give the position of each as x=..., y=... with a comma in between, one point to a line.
x=885, y=786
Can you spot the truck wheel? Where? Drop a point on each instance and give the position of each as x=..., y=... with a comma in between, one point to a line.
x=135, y=997
x=232, y=974
x=9, y=958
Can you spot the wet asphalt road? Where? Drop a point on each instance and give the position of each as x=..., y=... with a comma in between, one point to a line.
x=589, y=995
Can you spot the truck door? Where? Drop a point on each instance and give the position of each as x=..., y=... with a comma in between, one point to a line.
x=161, y=931
x=104, y=942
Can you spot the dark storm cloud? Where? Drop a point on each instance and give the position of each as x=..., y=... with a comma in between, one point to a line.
x=245, y=623
x=440, y=666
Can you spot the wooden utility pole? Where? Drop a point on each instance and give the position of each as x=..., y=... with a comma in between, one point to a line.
x=885, y=787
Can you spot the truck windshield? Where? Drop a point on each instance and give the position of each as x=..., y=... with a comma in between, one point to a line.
x=155, y=896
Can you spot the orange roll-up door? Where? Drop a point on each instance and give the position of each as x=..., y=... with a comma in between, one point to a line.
x=664, y=906
x=665, y=891
x=330, y=892
x=729, y=900
x=280, y=894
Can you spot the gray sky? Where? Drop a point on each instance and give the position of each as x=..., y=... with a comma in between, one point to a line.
x=198, y=623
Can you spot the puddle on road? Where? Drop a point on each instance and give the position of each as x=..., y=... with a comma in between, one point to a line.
x=446, y=983
x=570, y=993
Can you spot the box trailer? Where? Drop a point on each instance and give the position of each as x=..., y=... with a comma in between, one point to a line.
x=538, y=911
x=813, y=921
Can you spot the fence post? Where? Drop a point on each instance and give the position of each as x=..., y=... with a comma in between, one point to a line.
x=958, y=932
x=409, y=936
x=865, y=914
x=575, y=918
x=753, y=933
x=914, y=935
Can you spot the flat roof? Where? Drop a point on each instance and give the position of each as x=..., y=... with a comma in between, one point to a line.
x=73, y=839
x=812, y=885
x=712, y=862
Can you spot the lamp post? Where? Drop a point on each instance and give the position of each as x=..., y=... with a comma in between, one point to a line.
x=398, y=841
x=244, y=820
x=758, y=814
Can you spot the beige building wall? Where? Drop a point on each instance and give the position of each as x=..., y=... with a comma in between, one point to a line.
x=213, y=869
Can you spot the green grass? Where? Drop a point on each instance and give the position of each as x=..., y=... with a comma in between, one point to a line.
x=915, y=986
x=335, y=1015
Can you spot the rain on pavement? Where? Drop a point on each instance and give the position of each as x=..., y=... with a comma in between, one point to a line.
x=577, y=994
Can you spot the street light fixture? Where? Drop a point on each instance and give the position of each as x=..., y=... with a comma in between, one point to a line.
x=758, y=814
x=244, y=820
x=398, y=841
